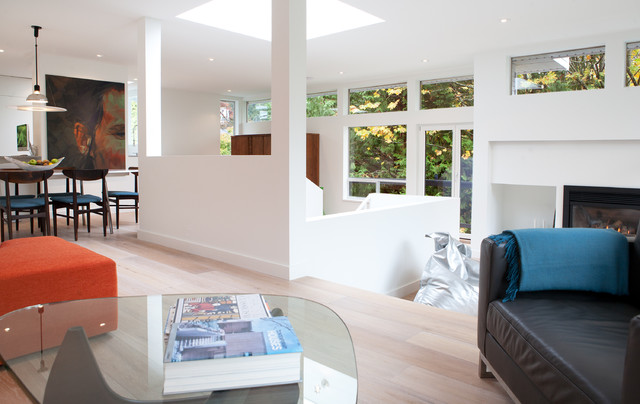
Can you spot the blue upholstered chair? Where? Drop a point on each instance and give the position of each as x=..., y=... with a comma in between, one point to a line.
x=79, y=204
x=115, y=197
x=16, y=207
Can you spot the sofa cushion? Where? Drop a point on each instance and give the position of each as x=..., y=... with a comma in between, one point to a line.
x=571, y=361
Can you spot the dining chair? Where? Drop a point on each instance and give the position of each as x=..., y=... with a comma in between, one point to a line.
x=116, y=196
x=17, y=195
x=14, y=208
x=79, y=204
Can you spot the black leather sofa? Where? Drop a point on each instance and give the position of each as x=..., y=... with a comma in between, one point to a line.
x=559, y=346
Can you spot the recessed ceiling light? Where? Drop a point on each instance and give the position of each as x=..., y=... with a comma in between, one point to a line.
x=341, y=73
x=504, y=20
x=1, y=50
x=253, y=17
x=228, y=91
x=425, y=60
x=211, y=59
x=98, y=55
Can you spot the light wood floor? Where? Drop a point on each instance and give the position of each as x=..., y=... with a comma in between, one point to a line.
x=406, y=352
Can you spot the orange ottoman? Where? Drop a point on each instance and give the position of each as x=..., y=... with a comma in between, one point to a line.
x=49, y=269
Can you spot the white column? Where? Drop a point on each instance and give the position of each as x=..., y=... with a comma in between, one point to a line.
x=288, y=97
x=149, y=87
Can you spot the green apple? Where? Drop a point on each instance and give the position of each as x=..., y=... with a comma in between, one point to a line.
x=53, y=161
x=32, y=162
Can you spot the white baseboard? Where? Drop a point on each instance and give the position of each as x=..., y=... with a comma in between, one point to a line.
x=405, y=290
x=229, y=257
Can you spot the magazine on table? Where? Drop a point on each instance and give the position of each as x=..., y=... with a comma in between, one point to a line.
x=207, y=354
x=217, y=307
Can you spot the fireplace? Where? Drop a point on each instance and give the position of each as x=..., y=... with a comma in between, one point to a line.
x=602, y=207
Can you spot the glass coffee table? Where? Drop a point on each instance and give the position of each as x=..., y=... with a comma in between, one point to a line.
x=126, y=336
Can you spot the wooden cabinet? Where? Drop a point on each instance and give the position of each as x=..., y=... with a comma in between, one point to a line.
x=251, y=145
x=261, y=145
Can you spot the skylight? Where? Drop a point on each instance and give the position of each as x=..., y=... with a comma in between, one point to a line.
x=253, y=17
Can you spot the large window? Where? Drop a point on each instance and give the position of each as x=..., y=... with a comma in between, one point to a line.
x=446, y=93
x=259, y=111
x=325, y=104
x=581, y=69
x=448, y=169
x=378, y=99
x=377, y=160
x=227, y=125
x=633, y=64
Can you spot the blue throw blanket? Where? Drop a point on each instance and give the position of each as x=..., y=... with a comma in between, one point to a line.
x=565, y=259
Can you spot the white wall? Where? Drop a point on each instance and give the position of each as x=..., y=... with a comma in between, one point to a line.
x=382, y=250
x=190, y=123
x=13, y=92
x=224, y=207
x=550, y=140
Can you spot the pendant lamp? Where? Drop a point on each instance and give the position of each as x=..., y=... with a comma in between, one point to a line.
x=37, y=99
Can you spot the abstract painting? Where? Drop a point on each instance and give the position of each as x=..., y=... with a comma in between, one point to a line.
x=91, y=133
x=23, y=137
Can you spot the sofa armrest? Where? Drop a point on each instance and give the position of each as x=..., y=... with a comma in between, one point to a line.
x=493, y=283
x=631, y=375
x=634, y=270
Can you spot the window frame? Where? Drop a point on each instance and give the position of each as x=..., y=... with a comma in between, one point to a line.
x=235, y=120
x=456, y=157
x=447, y=80
x=628, y=48
x=348, y=180
x=528, y=62
x=323, y=94
x=404, y=85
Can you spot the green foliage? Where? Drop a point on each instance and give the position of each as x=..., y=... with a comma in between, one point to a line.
x=393, y=188
x=466, y=179
x=438, y=162
x=225, y=144
x=451, y=94
x=227, y=125
x=585, y=73
x=378, y=100
x=633, y=67
x=378, y=152
x=322, y=105
x=438, y=169
x=361, y=189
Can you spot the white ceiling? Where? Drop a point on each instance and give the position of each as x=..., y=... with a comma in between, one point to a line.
x=446, y=32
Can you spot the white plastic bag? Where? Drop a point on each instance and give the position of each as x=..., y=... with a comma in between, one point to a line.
x=450, y=278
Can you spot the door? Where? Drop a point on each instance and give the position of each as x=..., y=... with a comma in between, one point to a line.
x=448, y=166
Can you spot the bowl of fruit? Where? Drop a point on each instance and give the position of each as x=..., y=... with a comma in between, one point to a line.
x=36, y=165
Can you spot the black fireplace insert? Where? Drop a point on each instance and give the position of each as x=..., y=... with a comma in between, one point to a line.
x=602, y=208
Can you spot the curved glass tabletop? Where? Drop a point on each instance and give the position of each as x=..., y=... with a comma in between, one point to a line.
x=126, y=335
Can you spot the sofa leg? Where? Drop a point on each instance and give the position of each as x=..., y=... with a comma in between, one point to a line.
x=483, y=370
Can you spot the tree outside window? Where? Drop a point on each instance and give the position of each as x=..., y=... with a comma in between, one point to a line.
x=633, y=64
x=446, y=93
x=581, y=69
x=378, y=99
x=322, y=105
x=377, y=160
x=227, y=126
